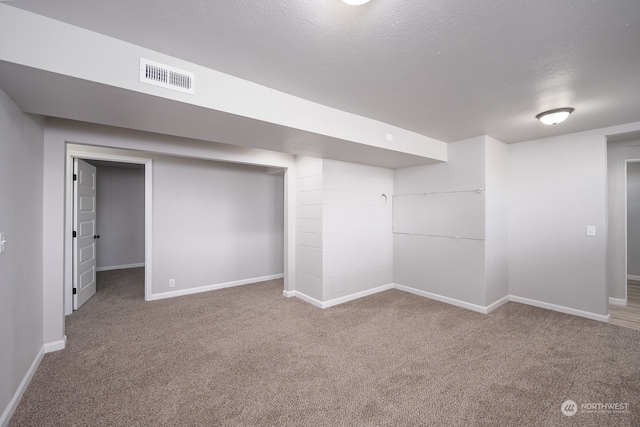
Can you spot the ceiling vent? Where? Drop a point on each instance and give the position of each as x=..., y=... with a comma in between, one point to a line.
x=165, y=76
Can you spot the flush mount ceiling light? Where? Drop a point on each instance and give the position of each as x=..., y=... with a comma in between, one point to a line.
x=553, y=117
x=355, y=2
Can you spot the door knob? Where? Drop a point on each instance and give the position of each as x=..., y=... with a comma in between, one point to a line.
x=96, y=236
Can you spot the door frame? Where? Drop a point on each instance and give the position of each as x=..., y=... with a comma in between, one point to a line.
x=626, y=226
x=90, y=154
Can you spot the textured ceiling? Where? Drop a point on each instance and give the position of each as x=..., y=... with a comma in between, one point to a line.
x=448, y=69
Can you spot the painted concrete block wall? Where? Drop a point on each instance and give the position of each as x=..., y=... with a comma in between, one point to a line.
x=617, y=155
x=496, y=220
x=119, y=216
x=309, y=227
x=356, y=228
x=21, y=192
x=633, y=218
x=438, y=225
x=557, y=186
x=214, y=223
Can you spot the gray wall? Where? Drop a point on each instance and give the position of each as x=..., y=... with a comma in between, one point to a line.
x=119, y=216
x=21, y=177
x=633, y=218
x=438, y=241
x=557, y=186
x=214, y=223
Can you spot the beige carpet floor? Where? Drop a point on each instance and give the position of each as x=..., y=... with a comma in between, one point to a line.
x=246, y=356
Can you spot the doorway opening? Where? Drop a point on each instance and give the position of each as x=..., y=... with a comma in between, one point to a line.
x=623, y=223
x=627, y=311
x=84, y=236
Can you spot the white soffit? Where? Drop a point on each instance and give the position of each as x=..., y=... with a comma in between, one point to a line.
x=64, y=75
x=448, y=70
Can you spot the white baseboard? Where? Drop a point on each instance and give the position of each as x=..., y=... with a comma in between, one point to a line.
x=452, y=301
x=560, y=308
x=617, y=301
x=632, y=277
x=190, y=291
x=15, y=400
x=55, y=345
x=306, y=298
x=120, y=267
x=501, y=301
x=337, y=301
x=357, y=295
x=289, y=294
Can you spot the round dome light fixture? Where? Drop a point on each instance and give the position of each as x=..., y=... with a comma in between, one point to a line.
x=553, y=117
x=355, y=2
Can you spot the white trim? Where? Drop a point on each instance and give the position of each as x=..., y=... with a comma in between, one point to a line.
x=625, y=244
x=289, y=249
x=15, y=400
x=68, y=242
x=307, y=298
x=288, y=294
x=617, y=301
x=120, y=267
x=452, y=301
x=86, y=152
x=337, y=301
x=560, y=308
x=632, y=277
x=357, y=295
x=148, y=227
x=505, y=299
x=50, y=347
x=190, y=291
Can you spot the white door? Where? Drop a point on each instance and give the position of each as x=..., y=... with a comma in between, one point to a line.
x=84, y=226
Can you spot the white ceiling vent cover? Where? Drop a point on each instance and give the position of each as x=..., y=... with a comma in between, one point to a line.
x=166, y=76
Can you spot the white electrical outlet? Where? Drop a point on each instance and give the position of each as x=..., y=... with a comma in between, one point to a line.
x=172, y=283
x=3, y=241
x=591, y=230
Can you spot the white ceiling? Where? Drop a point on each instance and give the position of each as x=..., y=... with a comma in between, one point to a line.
x=447, y=69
